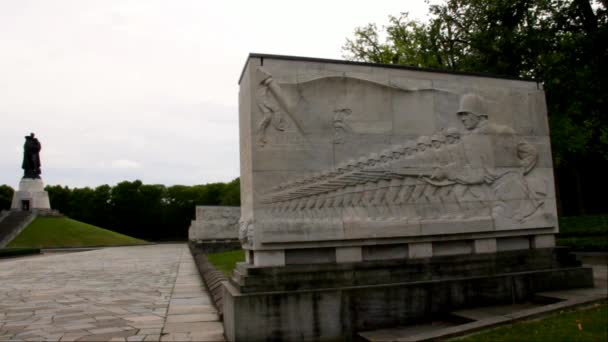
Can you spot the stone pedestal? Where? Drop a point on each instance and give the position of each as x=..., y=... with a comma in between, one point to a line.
x=332, y=302
x=375, y=195
x=31, y=196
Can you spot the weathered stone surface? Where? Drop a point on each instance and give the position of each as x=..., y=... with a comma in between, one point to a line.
x=543, y=241
x=484, y=246
x=420, y=250
x=337, y=313
x=376, y=195
x=348, y=254
x=32, y=191
x=250, y=278
x=215, y=223
x=336, y=152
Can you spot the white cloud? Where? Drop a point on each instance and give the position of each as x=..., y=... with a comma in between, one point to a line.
x=124, y=164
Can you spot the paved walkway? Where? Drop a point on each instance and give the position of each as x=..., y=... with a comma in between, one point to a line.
x=144, y=293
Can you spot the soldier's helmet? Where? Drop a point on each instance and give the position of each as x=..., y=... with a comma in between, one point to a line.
x=406, y=149
x=438, y=137
x=374, y=157
x=452, y=132
x=424, y=140
x=385, y=153
x=361, y=162
x=472, y=103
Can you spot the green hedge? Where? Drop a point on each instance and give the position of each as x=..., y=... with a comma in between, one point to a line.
x=13, y=252
x=584, y=233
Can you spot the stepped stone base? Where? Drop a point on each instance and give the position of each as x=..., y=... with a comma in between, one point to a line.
x=30, y=194
x=328, y=302
x=12, y=223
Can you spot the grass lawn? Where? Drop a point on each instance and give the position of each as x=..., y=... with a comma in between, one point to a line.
x=588, y=324
x=226, y=261
x=47, y=232
x=584, y=233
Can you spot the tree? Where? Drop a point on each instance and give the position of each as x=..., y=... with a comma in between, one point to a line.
x=6, y=196
x=148, y=211
x=153, y=222
x=232, y=193
x=563, y=43
x=102, y=196
x=59, y=196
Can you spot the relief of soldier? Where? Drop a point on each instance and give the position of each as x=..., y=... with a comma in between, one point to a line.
x=453, y=174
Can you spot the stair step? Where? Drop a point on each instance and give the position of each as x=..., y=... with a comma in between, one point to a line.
x=14, y=220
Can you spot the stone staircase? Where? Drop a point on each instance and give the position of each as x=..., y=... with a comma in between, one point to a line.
x=12, y=223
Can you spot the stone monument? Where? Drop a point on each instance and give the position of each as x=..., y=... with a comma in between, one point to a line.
x=30, y=194
x=377, y=195
x=216, y=228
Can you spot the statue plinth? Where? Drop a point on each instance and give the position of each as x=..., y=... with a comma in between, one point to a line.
x=31, y=195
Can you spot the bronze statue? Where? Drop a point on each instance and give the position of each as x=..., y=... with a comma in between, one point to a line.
x=31, y=157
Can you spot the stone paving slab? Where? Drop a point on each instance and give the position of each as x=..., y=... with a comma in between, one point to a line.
x=139, y=293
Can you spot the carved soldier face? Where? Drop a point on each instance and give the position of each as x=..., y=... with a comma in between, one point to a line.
x=452, y=139
x=437, y=144
x=469, y=120
x=372, y=160
x=421, y=147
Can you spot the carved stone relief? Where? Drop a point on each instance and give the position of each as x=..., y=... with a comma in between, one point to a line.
x=246, y=232
x=352, y=153
x=215, y=222
x=288, y=113
x=273, y=106
x=476, y=172
x=341, y=126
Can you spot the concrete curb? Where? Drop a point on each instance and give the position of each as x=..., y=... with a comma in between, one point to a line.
x=212, y=278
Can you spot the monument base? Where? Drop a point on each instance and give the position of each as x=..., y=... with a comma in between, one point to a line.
x=31, y=195
x=327, y=302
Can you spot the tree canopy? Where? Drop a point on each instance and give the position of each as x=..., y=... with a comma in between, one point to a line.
x=6, y=197
x=562, y=43
x=147, y=211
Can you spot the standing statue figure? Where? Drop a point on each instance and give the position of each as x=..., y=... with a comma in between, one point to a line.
x=31, y=157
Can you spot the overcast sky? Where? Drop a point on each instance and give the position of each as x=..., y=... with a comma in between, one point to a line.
x=122, y=90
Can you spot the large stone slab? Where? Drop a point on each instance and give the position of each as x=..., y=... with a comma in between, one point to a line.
x=376, y=195
x=338, y=154
x=215, y=223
